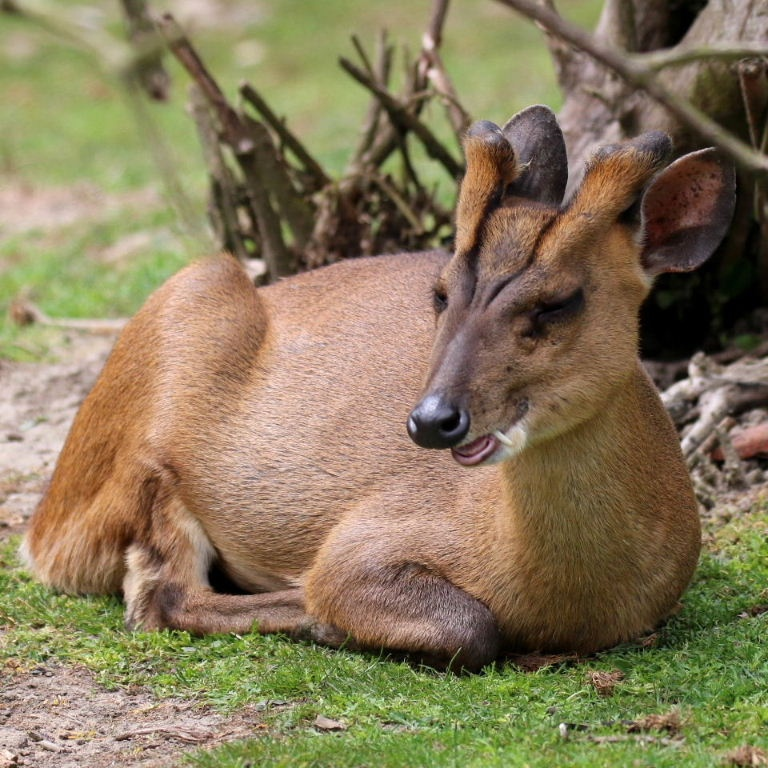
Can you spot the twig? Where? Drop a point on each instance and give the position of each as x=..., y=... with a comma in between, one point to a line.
x=432, y=69
x=287, y=137
x=197, y=236
x=638, y=738
x=364, y=56
x=433, y=37
x=408, y=214
x=674, y=57
x=275, y=179
x=372, y=123
x=112, y=53
x=253, y=154
x=400, y=115
x=224, y=200
x=183, y=50
x=150, y=71
x=191, y=735
x=24, y=312
x=631, y=68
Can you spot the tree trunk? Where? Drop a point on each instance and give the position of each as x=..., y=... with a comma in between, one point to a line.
x=600, y=107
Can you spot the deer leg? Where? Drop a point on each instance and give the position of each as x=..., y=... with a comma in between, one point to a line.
x=166, y=586
x=386, y=598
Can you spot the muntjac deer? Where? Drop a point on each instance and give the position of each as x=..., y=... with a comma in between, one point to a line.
x=262, y=432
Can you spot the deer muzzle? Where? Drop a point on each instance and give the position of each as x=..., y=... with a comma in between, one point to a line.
x=436, y=422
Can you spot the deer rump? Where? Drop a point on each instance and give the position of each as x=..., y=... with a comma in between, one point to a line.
x=263, y=432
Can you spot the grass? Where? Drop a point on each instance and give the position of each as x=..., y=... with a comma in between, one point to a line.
x=707, y=670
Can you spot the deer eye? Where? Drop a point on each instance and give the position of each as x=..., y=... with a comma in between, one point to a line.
x=557, y=310
x=439, y=300
x=560, y=308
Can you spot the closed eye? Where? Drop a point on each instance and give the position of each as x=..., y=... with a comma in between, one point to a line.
x=559, y=309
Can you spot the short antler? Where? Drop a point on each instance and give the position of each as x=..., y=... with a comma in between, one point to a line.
x=491, y=166
x=526, y=159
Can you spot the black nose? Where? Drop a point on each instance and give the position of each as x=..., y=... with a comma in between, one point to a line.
x=437, y=423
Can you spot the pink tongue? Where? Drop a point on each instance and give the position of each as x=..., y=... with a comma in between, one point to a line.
x=476, y=451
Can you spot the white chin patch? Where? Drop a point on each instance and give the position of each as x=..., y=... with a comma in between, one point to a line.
x=512, y=442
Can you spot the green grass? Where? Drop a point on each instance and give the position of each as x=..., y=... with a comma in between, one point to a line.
x=709, y=664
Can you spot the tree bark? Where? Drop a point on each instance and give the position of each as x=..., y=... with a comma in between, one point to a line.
x=600, y=107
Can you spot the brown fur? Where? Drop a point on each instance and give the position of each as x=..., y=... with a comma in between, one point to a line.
x=263, y=432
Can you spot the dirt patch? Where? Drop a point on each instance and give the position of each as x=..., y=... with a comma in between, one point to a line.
x=28, y=207
x=60, y=717
x=37, y=406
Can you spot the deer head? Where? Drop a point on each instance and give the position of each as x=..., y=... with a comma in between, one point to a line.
x=537, y=310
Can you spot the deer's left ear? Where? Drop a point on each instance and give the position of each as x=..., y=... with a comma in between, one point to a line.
x=686, y=211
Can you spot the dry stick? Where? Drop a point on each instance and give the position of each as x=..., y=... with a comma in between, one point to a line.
x=115, y=57
x=672, y=57
x=433, y=70
x=181, y=47
x=754, y=92
x=436, y=73
x=246, y=146
x=24, y=312
x=287, y=137
x=401, y=117
x=295, y=210
x=380, y=73
x=112, y=53
x=361, y=52
x=150, y=71
x=394, y=195
x=196, y=234
x=224, y=200
x=631, y=68
x=433, y=37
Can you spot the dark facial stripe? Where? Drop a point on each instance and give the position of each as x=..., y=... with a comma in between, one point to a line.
x=500, y=285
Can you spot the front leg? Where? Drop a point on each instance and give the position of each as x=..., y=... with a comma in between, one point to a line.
x=366, y=582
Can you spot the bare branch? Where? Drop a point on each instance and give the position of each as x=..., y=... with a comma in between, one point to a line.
x=631, y=69
x=431, y=68
x=253, y=97
x=408, y=214
x=400, y=115
x=674, y=57
x=254, y=151
x=150, y=71
x=188, y=57
x=113, y=54
x=372, y=126
x=433, y=37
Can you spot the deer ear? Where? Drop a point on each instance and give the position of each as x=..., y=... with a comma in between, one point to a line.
x=686, y=211
x=539, y=148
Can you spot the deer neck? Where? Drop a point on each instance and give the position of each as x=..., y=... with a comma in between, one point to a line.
x=576, y=497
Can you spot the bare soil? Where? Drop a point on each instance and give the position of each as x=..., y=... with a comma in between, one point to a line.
x=60, y=717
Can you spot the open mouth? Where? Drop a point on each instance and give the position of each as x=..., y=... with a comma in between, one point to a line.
x=493, y=447
x=477, y=451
